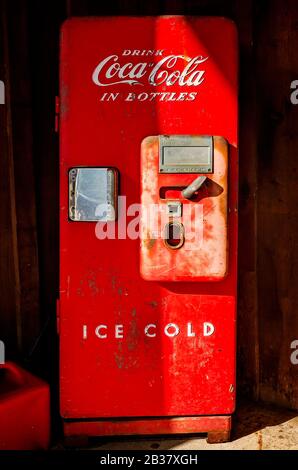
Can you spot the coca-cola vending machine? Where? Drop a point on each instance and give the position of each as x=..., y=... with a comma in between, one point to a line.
x=148, y=225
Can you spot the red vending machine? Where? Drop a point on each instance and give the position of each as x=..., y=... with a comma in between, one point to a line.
x=148, y=225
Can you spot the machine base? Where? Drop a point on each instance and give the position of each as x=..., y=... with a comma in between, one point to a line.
x=218, y=428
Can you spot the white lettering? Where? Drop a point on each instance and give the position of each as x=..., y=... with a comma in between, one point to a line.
x=147, y=332
x=84, y=331
x=101, y=65
x=208, y=329
x=118, y=331
x=111, y=72
x=171, y=326
x=171, y=330
x=190, y=331
x=97, y=331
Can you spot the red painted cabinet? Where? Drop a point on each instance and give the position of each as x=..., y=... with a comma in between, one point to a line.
x=24, y=410
x=148, y=224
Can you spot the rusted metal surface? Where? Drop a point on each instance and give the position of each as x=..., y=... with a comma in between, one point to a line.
x=217, y=437
x=218, y=427
x=204, y=256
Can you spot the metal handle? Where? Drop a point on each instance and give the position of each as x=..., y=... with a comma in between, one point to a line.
x=193, y=187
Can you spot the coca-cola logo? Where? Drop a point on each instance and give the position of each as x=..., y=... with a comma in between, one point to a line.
x=168, y=70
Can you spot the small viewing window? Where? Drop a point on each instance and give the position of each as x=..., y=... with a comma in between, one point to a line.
x=93, y=194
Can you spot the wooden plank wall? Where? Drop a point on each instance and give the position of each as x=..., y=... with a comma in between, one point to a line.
x=25, y=198
x=276, y=24
x=10, y=331
x=267, y=320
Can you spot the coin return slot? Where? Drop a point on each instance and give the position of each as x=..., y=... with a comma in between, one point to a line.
x=174, y=235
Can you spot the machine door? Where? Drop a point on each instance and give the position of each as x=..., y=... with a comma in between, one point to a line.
x=148, y=115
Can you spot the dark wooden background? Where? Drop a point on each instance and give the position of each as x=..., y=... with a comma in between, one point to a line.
x=268, y=247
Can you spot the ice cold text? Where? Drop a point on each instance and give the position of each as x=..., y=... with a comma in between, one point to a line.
x=151, y=330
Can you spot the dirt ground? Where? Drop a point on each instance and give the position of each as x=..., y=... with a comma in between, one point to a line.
x=255, y=427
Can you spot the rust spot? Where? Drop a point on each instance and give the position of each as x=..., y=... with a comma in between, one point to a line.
x=117, y=287
x=208, y=231
x=119, y=359
x=133, y=335
x=64, y=98
x=150, y=242
x=113, y=282
x=91, y=281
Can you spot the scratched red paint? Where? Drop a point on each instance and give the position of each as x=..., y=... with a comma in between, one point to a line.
x=100, y=281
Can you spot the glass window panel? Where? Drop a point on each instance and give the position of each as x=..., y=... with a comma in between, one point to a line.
x=93, y=194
